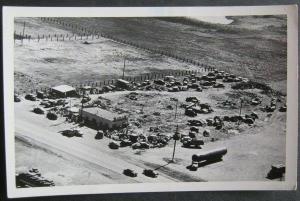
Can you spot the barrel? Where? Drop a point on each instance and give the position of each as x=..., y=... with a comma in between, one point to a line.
x=210, y=155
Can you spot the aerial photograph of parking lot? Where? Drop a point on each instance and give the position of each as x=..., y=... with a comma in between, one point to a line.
x=149, y=99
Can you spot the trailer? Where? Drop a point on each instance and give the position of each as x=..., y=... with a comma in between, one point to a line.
x=209, y=156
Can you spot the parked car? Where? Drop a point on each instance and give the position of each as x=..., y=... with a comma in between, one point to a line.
x=125, y=143
x=38, y=110
x=30, y=97
x=196, y=143
x=130, y=173
x=150, y=173
x=99, y=135
x=16, y=98
x=113, y=145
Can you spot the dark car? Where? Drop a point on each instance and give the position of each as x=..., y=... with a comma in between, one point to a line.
x=30, y=97
x=113, y=145
x=125, y=143
x=16, y=98
x=38, y=110
x=130, y=173
x=190, y=112
x=150, y=173
x=159, y=82
x=193, y=142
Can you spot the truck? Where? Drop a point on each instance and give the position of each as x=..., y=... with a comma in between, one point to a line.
x=209, y=156
x=192, y=142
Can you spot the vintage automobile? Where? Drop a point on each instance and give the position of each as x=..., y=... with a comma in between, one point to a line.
x=30, y=97
x=113, y=145
x=129, y=172
x=193, y=142
x=150, y=173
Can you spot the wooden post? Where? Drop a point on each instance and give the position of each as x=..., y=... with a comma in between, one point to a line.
x=23, y=32
x=241, y=105
x=124, y=68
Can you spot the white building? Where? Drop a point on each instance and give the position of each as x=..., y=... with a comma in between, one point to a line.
x=102, y=118
x=63, y=91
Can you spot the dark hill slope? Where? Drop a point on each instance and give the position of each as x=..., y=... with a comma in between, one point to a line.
x=252, y=46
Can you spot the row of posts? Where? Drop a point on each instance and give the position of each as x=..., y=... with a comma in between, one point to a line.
x=95, y=34
x=87, y=34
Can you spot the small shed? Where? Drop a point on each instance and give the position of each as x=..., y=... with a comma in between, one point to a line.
x=63, y=91
x=86, y=89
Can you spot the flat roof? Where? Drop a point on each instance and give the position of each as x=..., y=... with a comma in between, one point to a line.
x=63, y=88
x=103, y=113
x=86, y=87
x=124, y=81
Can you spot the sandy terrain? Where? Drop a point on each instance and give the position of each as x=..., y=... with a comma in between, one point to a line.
x=74, y=62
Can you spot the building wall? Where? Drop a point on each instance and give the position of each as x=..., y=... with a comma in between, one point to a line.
x=100, y=121
x=63, y=95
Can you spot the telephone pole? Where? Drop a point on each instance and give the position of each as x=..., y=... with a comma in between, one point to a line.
x=176, y=137
x=241, y=107
x=23, y=33
x=176, y=109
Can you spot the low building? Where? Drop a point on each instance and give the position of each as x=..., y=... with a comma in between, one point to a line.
x=100, y=118
x=86, y=89
x=63, y=91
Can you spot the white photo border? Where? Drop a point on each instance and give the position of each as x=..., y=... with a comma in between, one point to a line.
x=291, y=11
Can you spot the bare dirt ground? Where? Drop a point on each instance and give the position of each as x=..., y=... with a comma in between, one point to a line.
x=251, y=150
x=74, y=62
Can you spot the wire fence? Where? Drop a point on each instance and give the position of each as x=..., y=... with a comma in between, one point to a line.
x=88, y=34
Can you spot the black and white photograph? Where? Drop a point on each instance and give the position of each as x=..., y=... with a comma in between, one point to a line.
x=132, y=100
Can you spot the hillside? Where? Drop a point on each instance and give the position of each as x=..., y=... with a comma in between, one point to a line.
x=254, y=46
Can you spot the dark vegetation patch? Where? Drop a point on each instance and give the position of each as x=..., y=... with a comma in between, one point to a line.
x=193, y=22
x=60, y=60
x=256, y=85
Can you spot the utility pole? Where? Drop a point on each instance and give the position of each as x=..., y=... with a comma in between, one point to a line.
x=176, y=137
x=124, y=69
x=23, y=33
x=176, y=109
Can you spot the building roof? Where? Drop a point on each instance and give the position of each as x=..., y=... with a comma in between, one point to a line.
x=123, y=81
x=103, y=113
x=86, y=87
x=63, y=88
